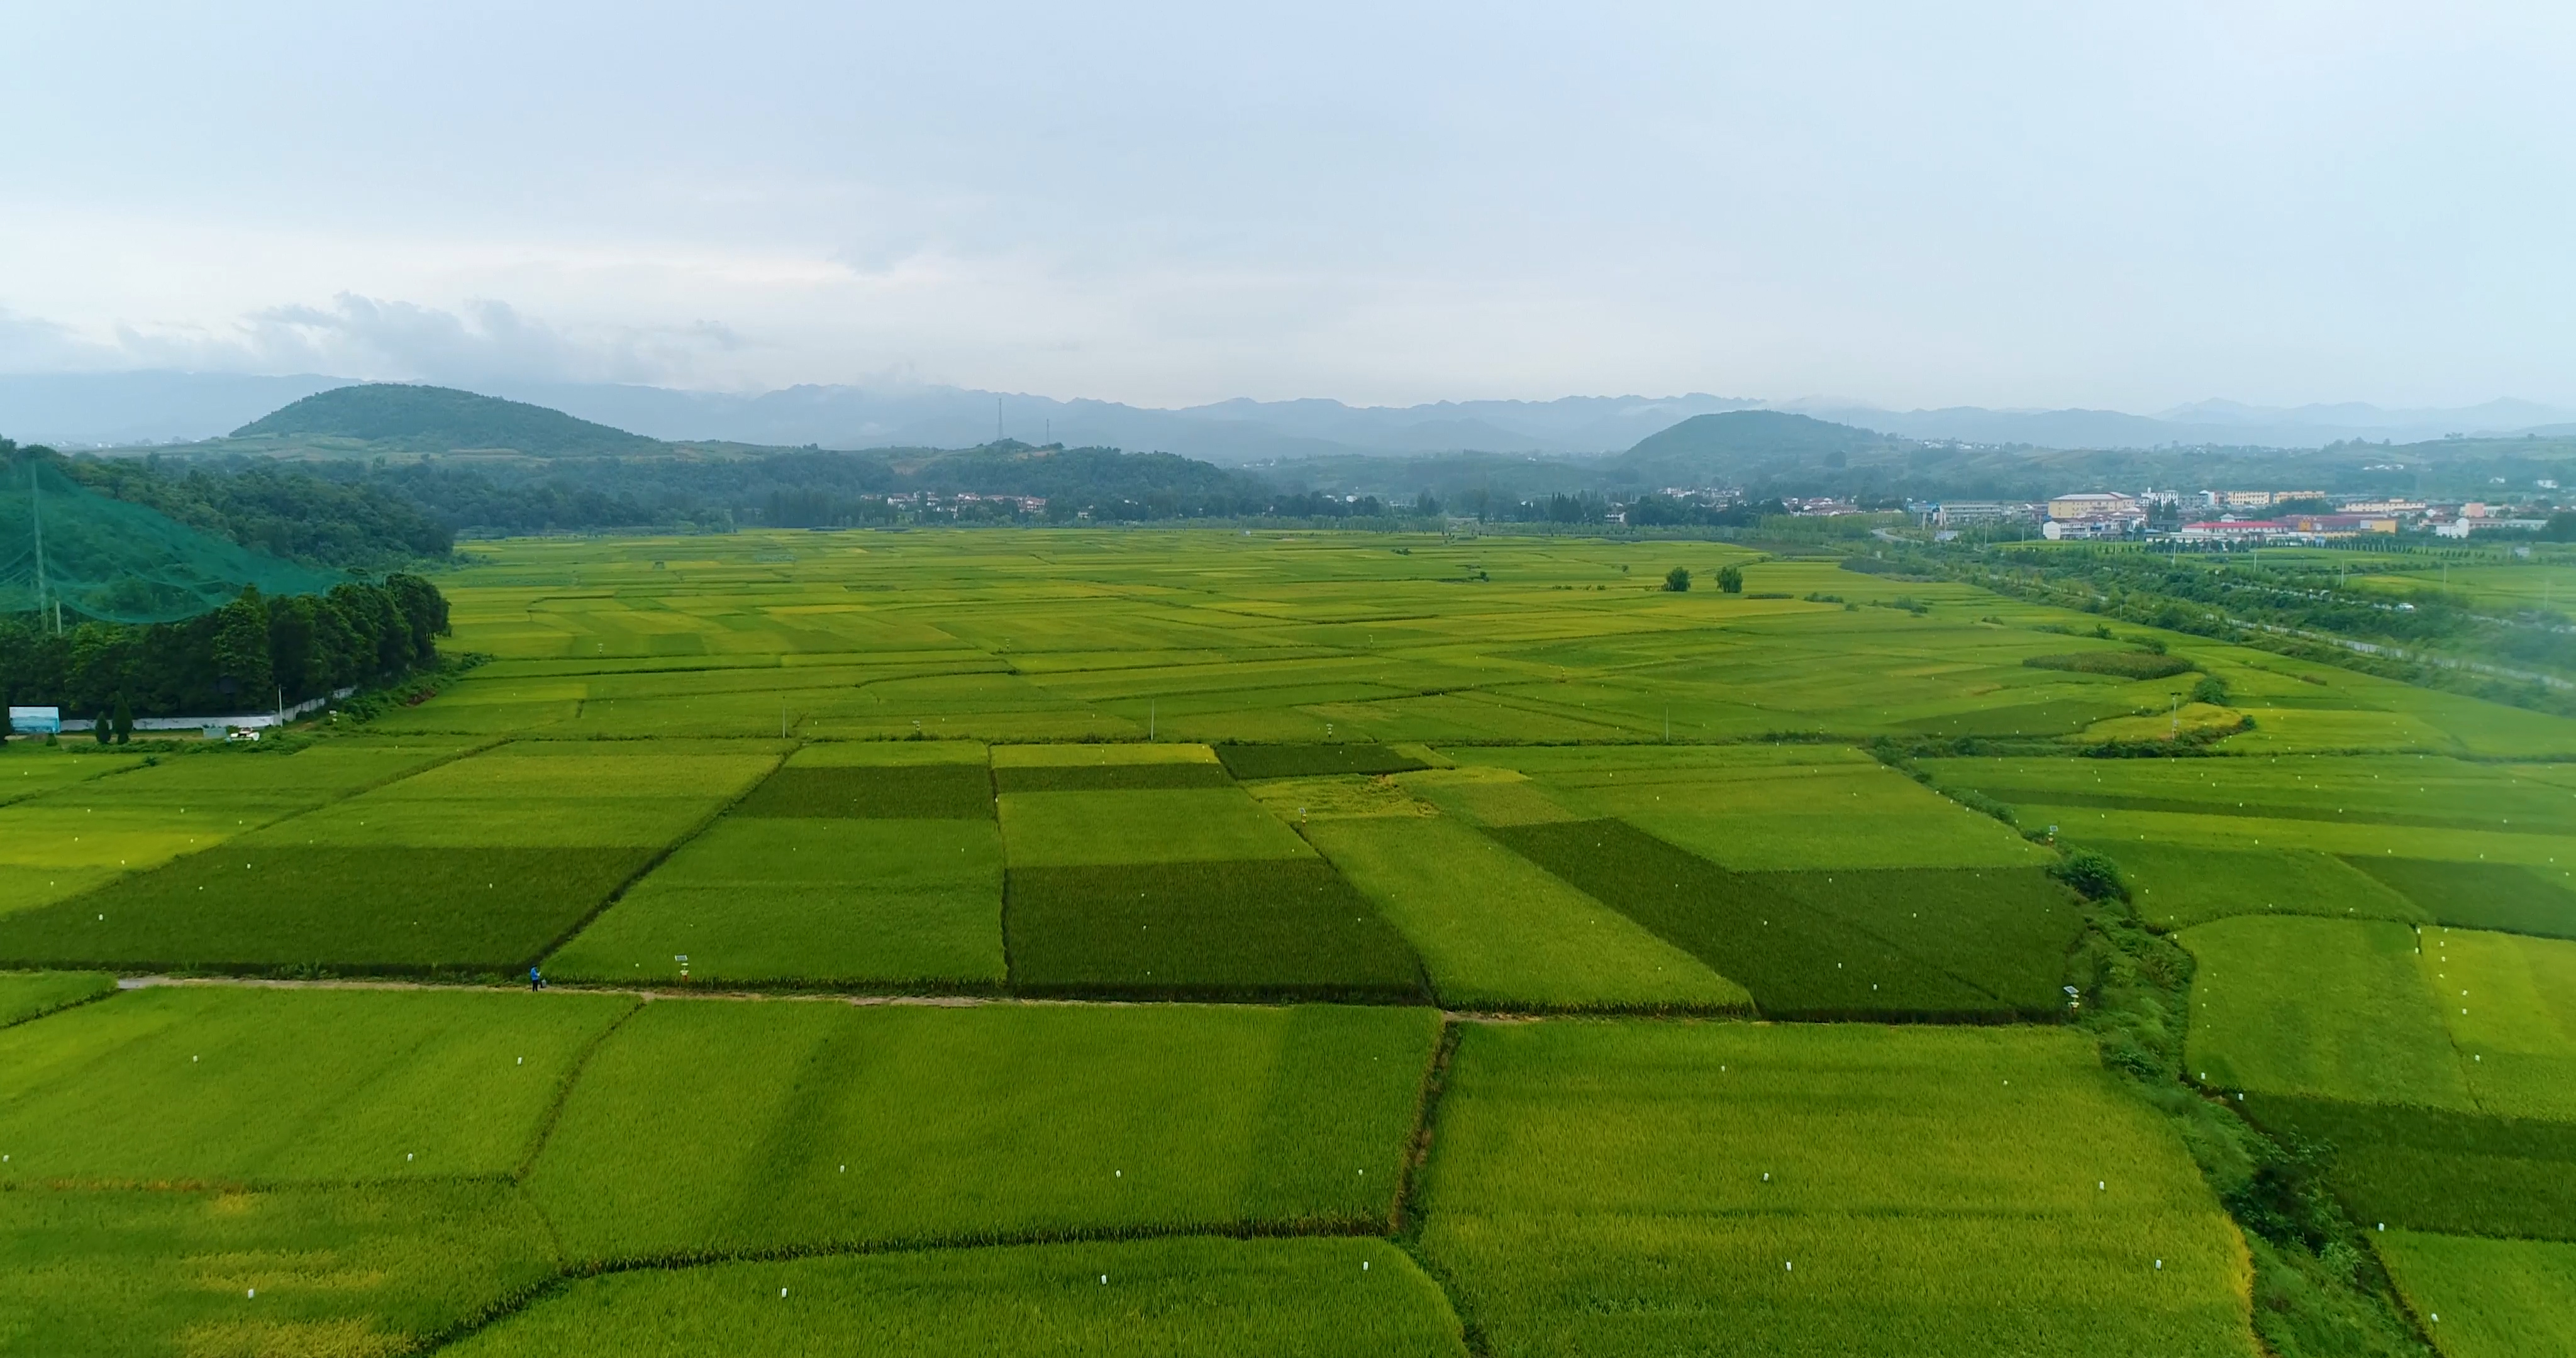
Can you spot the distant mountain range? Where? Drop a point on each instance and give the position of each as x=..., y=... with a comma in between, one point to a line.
x=484, y=463
x=124, y=409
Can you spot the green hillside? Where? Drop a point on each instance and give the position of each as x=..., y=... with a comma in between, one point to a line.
x=421, y=419
x=107, y=558
x=1741, y=446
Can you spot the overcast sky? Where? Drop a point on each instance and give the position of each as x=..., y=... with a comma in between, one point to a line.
x=2000, y=204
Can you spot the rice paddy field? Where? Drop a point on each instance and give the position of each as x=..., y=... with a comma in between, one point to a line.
x=1129, y=942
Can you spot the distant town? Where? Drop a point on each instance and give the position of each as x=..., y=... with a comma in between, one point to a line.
x=2215, y=517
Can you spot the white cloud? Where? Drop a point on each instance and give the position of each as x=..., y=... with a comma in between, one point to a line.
x=2003, y=204
x=481, y=342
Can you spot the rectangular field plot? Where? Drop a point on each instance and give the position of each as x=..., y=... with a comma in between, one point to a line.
x=1106, y=768
x=1817, y=945
x=2486, y=1298
x=1768, y=808
x=1111, y=777
x=1496, y=930
x=2522, y=900
x=394, y=910
x=718, y=1126
x=548, y=794
x=222, y=1085
x=1193, y=1297
x=877, y=903
x=28, y=773
x=2176, y=886
x=33, y=994
x=55, y=845
x=363, y=1269
x=1487, y=796
x=478, y=864
x=1307, y=761
x=1622, y=1187
x=1280, y=927
x=2422, y=792
x=2006, y=931
x=2331, y=1008
x=1187, y=825
x=2510, y=1004
x=2433, y=1169
x=923, y=780
x=2474, y=818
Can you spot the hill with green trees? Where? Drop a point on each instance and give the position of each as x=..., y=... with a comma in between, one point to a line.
x=417, y=419
x=1739, y=446
x=269, y=508
x=411, y=461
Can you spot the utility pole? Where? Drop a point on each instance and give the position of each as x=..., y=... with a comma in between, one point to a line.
x=36, y=516
x=998, y=435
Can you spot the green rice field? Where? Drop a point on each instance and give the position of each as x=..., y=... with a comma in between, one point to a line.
x=1823, y=1189
x=1102, y=942
x=2487, y=1298
x=34, y=994
x=1186, y=1296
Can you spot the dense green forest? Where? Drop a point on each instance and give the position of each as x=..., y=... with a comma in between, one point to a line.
x=248, y=655
x=277, y=509
x=353, y=512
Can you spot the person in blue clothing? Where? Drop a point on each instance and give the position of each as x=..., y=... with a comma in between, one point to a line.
x=535, y=981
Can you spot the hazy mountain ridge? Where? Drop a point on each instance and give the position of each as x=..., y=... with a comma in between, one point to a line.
x=113, y=409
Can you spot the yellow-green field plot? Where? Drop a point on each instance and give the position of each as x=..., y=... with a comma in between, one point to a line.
x=2510, y=1005
x=2329, y=1008
x=27, y=772
x=58, y=844
x=1495, y=930
x=873, y=866
x=1769, y=808
x=1818, y=1190
x=2486, y=1298
x=2406, y=806
x=223, y=1085
x=33, y=994
x=2381, y=1012
x=1193, y=1297
x=713, y=1126
x=1320, y=637
x=476, y=864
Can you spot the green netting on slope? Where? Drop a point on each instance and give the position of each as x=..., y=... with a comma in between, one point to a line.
x=105, y=558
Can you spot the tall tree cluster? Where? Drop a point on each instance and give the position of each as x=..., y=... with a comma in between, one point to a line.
x=246, y=656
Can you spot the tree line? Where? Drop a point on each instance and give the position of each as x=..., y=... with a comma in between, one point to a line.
x=250, y=654
x=282, y=512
